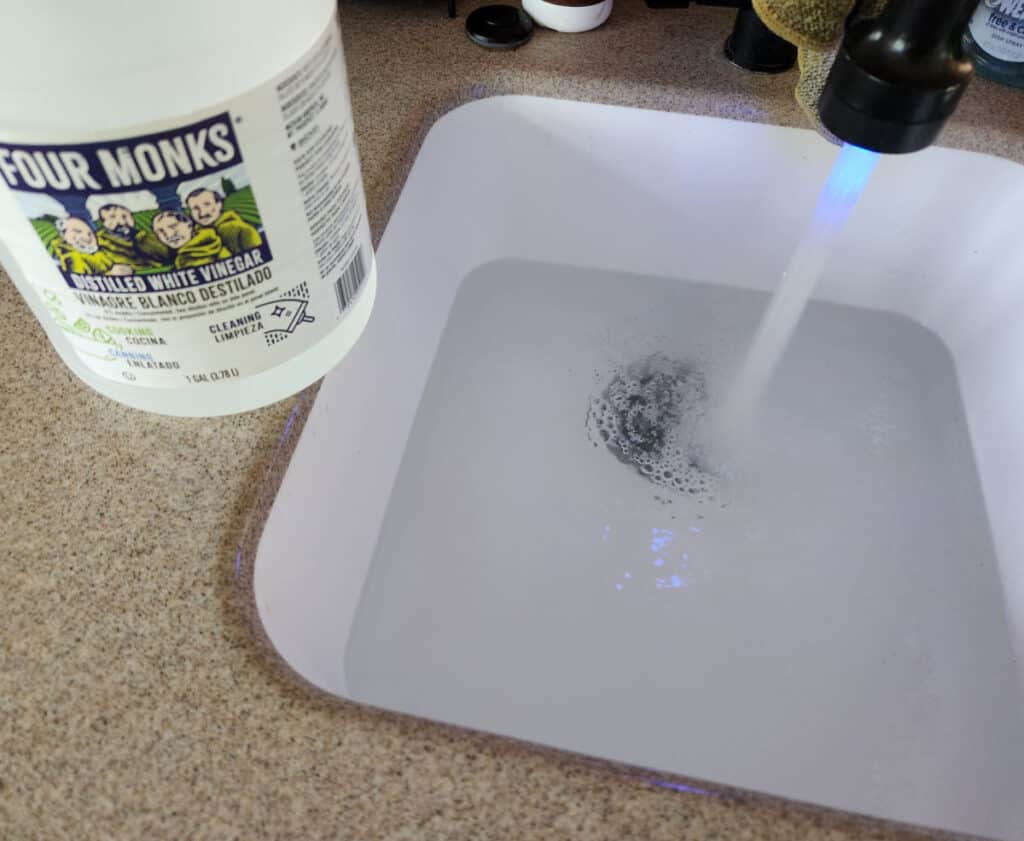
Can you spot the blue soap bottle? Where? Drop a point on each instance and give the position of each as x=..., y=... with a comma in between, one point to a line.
x=995, y=36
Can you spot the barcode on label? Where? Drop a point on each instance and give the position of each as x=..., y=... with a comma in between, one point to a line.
x=351, y=279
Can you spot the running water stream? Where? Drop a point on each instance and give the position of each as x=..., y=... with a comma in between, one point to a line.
x=845, y=183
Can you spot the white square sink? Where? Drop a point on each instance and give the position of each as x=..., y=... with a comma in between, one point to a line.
x=840, y=621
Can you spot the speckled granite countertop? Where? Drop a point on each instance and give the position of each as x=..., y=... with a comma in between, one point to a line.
x=137, y=697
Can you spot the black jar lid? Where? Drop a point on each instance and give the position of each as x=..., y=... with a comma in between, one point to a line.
x=499, y=27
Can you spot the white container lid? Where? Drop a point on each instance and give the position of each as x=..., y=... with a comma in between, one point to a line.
x=85, y=68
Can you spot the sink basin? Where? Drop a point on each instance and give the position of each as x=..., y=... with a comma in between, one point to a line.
x=462, y=534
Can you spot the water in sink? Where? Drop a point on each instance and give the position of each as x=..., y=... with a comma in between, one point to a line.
x=787, y=601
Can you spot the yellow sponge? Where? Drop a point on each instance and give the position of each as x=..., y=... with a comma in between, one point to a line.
x=815, y=26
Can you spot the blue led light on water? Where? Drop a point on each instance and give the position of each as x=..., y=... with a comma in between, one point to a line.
x=660, y=538
x=849, y=176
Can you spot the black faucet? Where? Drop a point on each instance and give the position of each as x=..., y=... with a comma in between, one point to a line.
x=897, y=78
x=752, y=45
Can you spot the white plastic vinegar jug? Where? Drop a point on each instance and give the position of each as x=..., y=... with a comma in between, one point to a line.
x=181, y=203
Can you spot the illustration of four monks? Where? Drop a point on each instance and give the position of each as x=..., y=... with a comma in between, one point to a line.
x=207, y=232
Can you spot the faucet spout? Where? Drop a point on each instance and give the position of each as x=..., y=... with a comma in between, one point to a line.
x=898, y=78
